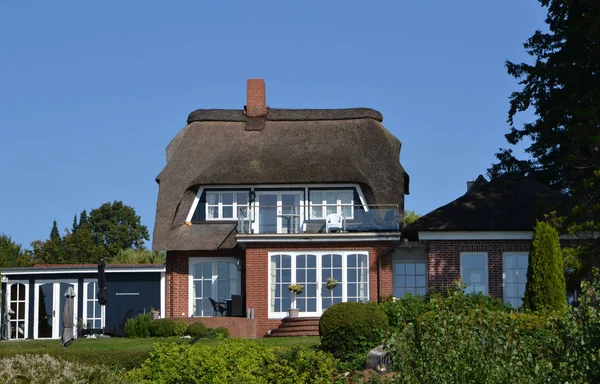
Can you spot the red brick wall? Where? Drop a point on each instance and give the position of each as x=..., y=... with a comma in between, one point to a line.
x=257, y=257
x=255, y=276
x=238, y=326
x=444, y=260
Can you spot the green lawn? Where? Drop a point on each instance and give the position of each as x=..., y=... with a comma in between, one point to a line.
x=119, y=352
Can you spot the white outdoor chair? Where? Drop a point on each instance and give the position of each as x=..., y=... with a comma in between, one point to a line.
x=334, y=221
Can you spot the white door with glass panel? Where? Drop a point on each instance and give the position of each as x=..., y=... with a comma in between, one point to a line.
x=18, y=294
x=278, y=212
x=49, y=299
x=215, y=279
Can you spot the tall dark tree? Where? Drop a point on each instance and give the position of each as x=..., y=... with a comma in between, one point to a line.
x=546, y=288
x=54, y=233
x=562, y=87
x=115, y=226
x=75, y=225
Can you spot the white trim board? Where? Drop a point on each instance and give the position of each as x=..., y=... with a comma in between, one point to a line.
x=472, y=235
x=483, y=235
x=44, y=271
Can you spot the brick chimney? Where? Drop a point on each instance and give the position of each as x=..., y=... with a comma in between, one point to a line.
x=256, y=100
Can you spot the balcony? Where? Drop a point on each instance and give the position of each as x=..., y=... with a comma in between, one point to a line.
x=318, y=219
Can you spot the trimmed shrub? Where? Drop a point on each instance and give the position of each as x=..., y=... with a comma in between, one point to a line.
x=546, y=287
x=350, y=330
x=180, y=327
x=162, y=328
x=197, y=329
x=234, y=361
x=222, y=333
x=139, y=326
x=38, y=369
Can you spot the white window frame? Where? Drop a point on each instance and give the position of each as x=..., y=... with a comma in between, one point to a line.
x=410, y=261
x=214, y=278
x=86, y=287
x=487, y=274
x=235, y=206
x=323, y=206
x=322, y=290
x=9, y=284
x=504, y=255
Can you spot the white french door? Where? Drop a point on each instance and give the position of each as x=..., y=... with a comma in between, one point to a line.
x=49, y=302
x=311, y=270
x=279, y=211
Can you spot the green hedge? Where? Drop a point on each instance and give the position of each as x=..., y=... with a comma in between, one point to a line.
x=350, y=330
x=454, y=344
x=234, y=361
x=197, y=329
x=162, y=328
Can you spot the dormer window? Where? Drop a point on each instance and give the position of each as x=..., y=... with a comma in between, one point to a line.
x=223, y=205
x=326, y=202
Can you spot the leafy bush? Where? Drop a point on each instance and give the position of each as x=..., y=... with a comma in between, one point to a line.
x=180, y=328
x=350, y=330
x=197, y=329
x=447, y=345
x=234, y=361
x=406, y=309
x=139, y=326
x=162, y=328
x=222, y=333
x=46, y=369
x=546, y=287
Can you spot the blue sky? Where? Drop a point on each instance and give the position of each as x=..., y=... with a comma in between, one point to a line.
x=92, y=92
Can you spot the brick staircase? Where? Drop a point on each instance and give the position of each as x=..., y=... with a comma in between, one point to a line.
x=297, y=326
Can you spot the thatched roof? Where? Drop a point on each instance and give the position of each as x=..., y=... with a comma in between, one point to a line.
x=224, y=147
x=507, y=203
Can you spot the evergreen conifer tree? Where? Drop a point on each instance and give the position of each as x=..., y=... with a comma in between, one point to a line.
x=546, y=288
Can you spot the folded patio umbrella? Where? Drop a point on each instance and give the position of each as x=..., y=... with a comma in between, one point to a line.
x=67, y=332
x=102, y=295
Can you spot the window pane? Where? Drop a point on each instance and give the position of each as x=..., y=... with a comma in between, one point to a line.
x=207, y=270
x=301, y=261
x=347, y=211
x=420, y=268
x=410, y=269
x=212, y=198
x=420, y=281
x=346, y=197
x=90, y=309
x=523, y=262
x=286, y=261
x=337, y=261
x=410, y=281
x=98, y=312
x=227, y=198
x=242, y=198
x=212, y=212
x=227, y=212
x=326, y=261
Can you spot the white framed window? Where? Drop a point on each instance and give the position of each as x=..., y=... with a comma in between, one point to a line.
x=326, y=202
x=311, y=270
x=474, y=271
x=223, y=205
x=93, y=313
x=18, y=294
x=211, y=278
x=410, y=277
x=514, y=276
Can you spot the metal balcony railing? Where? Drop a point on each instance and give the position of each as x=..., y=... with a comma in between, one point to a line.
x=318, y=218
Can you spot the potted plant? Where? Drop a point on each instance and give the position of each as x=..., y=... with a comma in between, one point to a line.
x=331, y=283
x=155, y=313
x=296, y=289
